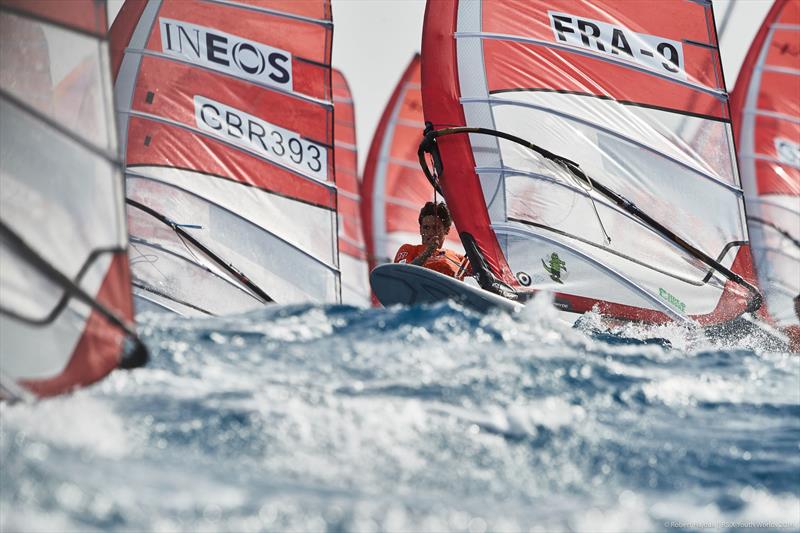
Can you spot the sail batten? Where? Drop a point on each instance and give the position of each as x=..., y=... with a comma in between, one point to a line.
x=720, y=94
x=66, y=318
x=352, y=248
x=235, y=146
x=227, y=112
x=766, y=112
x=609, y=131
x=394, y=189
x=574, y=122
x=300, y=96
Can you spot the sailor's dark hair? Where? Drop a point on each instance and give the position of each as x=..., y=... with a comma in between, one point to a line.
x=438, y=210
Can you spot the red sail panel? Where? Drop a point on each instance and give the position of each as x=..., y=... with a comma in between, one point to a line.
x=91, y=358
x=229, y=106
x=352, y=249
x=766, y=114
x=63, y=204
x=309, y=10
x=614, y=37
x=394, y=187
x=440, y=97
x=157, y=144
x=121, y=32
x=607, y=85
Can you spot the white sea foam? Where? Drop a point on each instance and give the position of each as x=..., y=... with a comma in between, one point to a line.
x=432, y=418
x=76, y=421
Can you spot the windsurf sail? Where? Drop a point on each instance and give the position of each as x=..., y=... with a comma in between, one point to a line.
x=576, y=177
x=65, y=291
x=352, y=249
x=766, y=115
x=225, y=117
x=394, y=189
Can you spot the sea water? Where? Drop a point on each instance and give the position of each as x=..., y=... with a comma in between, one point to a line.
x=433, y=418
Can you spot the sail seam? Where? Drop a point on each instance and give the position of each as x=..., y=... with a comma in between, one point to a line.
x=700, y=44
x=763, y=200
x=659, y=304
x=511, y=172
x=721, y=95
x=778, y=284
x=349, y=195
x=400, y=162
x=346, y=172
x=409, y=123
x=344, y=145
x=145, y=243
x=777, y=251
x=130, y=170
x=623, y=102
x=274, y=12
x=380, y=233
x=60, y=128
x=769, y=159
x=62, y=303
x=703, y=281
x=201, y=133
x=779, y=70
x=613, y=133
x=146, y=287
x=236, y=215
x=160, y=55
x=52, y=23
x=771, y=114
x=351, y=242
x=400, y=202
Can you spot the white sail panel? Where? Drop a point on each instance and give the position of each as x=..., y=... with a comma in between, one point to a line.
x=766, y=111
x=608, y=88
x=227, y=117
x=64, y=279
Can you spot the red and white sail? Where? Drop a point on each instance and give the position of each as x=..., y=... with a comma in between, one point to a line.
x=352, y=248
x=63, y=265
x=225, y=116
x=394, y=188
x=766, y=114
x=609, y=86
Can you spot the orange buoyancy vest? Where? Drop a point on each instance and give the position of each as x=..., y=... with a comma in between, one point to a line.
x=445, y=261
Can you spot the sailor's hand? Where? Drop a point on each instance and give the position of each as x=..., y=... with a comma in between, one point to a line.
x=421, y=258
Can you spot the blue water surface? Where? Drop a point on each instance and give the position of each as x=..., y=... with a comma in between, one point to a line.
x=336, y=418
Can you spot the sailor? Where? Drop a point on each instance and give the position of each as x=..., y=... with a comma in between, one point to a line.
x=794, y=330
x=434, y=223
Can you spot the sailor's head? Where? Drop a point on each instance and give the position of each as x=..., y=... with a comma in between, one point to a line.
x=434, y=223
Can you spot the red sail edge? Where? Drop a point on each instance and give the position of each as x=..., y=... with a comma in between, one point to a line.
x=394, y=184
x=226, y=115
x=352, y=248
x=440, y=99
x=694, y=91
x=92, y=359
x=69, y=344
x=761, y=133
x=373, y=156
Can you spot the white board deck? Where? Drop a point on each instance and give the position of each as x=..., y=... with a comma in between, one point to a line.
x=397, y=283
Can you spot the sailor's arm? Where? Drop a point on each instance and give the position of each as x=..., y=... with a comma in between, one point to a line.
x=421, y=258
x=402, y=254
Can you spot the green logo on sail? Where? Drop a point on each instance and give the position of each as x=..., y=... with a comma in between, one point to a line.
x=554, y=267
x=672, y=300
